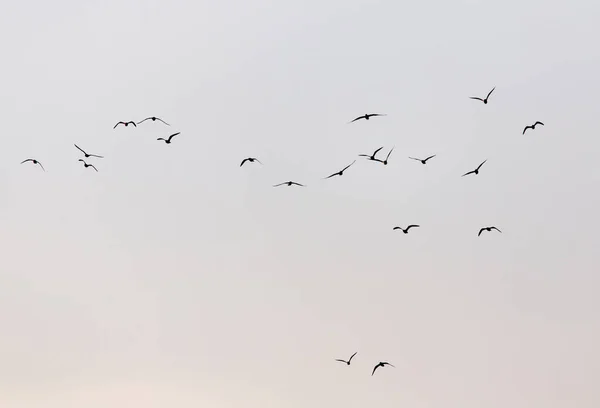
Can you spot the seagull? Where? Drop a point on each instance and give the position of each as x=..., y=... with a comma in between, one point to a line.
x=154, y=118
x=34, y=161
x=125, y=123
x=486, y=98
x=168, y=141
x=381, y=364
x=424, y=161
x=86, y=154
x=407, y=228
x=488, y=229
x=289, y=183
x=251, y=160
x=367, y=116
x=386, y=159
x=347, y=362
x=371, y=157
x=532, y=127
x=88, y=165
x=476, y=171
x=341, y=172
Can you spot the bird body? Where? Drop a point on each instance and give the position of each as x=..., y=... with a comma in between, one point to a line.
x=289, y=183
x=532, y=127
x=34, y=161
x=366, y=116
x=485, y=101
x=131, y=122
x=407, y=228
x=381, y=364
x=349, y=360
x=341, y=172
x=251, y=160
x=488, y=229
x=153, y=119
x=168, y=140
x=86, y=165
x=424, y=161
x=476, y=171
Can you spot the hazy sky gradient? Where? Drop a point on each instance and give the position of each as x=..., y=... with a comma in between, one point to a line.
x=174, y=278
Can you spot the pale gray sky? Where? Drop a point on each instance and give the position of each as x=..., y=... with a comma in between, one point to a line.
x=172, y=277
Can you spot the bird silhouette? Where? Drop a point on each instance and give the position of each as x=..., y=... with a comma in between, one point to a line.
x=385, y=162
x=88, y=165
x=486, y=98
x=153, y=119
x=344, y=361
x=251, y=160
x=381, y=364
x=34, y=161
x=289, y=183
x=367, y=116
x=168, y=140
x=532, y=127
x=476, y=171
x=371, y=156
x=407, y=228
x=341, y=172
x=131, y=122
x=488, y=229
x=87, y=154
x=424, y=161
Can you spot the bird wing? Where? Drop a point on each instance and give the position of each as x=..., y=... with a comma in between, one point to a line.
x=496, y=229
x=163, y=121
x=41, y=166
x=482, y=163
x=375, y=368
x=488, y=95
x=377, y=114
x=430, y=157
x=410, y=226
x=388, y=155
x=376, y=151
x=352, y=356
x=414, y=158
x=386, y=363
x=360, y=117
x=140, y=122
x=79, y=148
x=475, y=97
x=298, y=184
x=95, y=155
x=396, y=228
x=480, y=231
x=93, y=167
x=343, y=361
x=243, y=161
x=334, y=174
x=344, y=169
x=539, y=123
x=470, y=172
x=527, y=127
x=173, y=135
x=280, y=184
x=118, y=123
x=133, y=123
x=25, y=161
x=160, y=138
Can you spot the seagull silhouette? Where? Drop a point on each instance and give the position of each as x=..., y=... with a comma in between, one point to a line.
x=532, y=127
x=251, y=160
x=476, y=171
x=131, y=122
x=381, y=364
x=289, y=183
x=341, y=172
x=86, y=154
x=385, y=162
x=424, y=161
x=372, y=156
x=344, y=361
x=34, y=161
x=168, y=140
x=407, y=228
x=153, y=118
x=367, y=116
x=488, y=229
x=88, y=165
x=486, y=98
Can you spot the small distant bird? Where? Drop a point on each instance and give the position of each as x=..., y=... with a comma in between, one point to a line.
x=86, y=154
x=168, y=140
x=488, y=229
x=476, y=171
x=153, y=118
x=289, y=183
x=385, y=162
x=372, y=156
x=131, y=122
x=344, y=361
x=367, y=116
x=341, y=172
x=251, y=160
x=381, y=364
x=532, y=127
x=486, y=98
x=407, y=228
x=424, y=161
x=88, y=165
x=34, y=161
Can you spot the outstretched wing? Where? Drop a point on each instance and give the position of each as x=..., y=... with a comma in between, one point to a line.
x=482, y=163
x=475, y=97
x=352, y=356
x=538, y=123
x=133, y=123
x=488, y=95
x=430, y=157
x=480, y=231
x=496, y=229
x=79, y=148
x=298, y=184
x=95, y=155
x=334, y=174
x=344, y=169
x=411, y=226
x=173, y=135
x=396, y=228
x=93, y=167
x=163, y=121
x=280, y=184
x=375, y=368
x=388, y=155
x=118, y=123
x=527, y=127
x=343, y=361
x=470, y=172
x=26, y=160
x=41, y=166
x=243, y=161
x=140, y=122
x=360, y=117
x=414, y=158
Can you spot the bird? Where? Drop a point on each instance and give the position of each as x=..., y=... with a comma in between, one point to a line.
x=366, y=116
x=488, y=229
x=289, y=183
x=486, y=98
x=251, y=160
x=381, y=364
x=407, y=228
x=153, y=118
x=88, y=165
x=532, y=127
x=344, y=361
x=424, y=161
x=476, y=171
x=86, y=154
x=341, y=172
x=385, y=162
x=34, y=161
x=125, y=123
x=168, y=140
x=372, y=156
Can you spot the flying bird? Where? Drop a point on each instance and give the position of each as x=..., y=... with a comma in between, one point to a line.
x=381, y=364
x=424, y=161
x=341, y=172
x=407, y=228
x=344, y=361
x=88, y=165
x=289, y=183
x=131, y=122
x=251, y=160
x=367, y=116
x=153, y=118
x=486, y=98
x=86, y=154
x=488, y=229
x=372, y=156
x=168, y=140
x=386, y=158
x=476, y=171
x=532, y=127
x=34, y=161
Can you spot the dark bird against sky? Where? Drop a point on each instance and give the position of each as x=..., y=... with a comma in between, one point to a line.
x=349, y=360
x=371, y=156
x=131, y=122
x=341, y=172
x=488, y=229
x=385, y=162
x=34, y=161
x=87, y=154
x=88, y=165
x=424, y=161
x=381, y=364
x=407, y=228
x=153, y=118
x=486, y=98
x=532, y=127
x=251, y=160
x=476, y=171
x=168, y=140
x=367, y=116
x=289, y=183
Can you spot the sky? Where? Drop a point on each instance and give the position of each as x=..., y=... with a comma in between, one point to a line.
x=173, y=277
